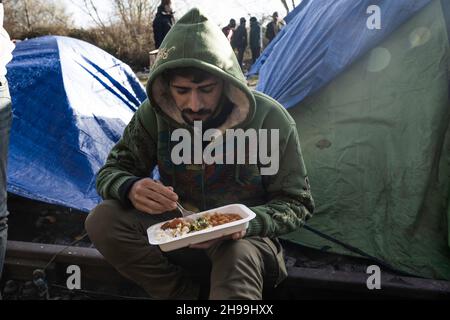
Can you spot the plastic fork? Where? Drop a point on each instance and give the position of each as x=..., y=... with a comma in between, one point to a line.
x=183, y=211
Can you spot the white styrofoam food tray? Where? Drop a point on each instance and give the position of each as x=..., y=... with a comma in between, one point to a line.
x=205, y=234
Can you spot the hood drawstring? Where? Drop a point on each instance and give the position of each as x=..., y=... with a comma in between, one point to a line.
x=172, y=166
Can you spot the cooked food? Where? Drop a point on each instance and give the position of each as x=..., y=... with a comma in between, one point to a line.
x=181, y=226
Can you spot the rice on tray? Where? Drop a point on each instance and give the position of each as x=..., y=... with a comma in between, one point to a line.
x=181, y=226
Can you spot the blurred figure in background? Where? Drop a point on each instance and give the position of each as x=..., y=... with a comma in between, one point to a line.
x=164, y=20
x=273, y=27
x=255, y=38
x=239, y=41
x=6, y=48
x=228, y=30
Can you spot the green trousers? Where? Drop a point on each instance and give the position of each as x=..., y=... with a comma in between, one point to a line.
x=231, y=269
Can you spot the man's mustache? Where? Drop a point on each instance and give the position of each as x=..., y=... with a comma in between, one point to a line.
x=201, y=112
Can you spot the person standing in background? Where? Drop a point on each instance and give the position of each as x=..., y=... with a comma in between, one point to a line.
x=228, y=30
x=273, y=27
x=6, y=48
x=163, y=22
x=239, y=41
x=255, y=38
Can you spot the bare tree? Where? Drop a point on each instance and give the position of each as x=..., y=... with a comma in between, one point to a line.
x=127, y=32
x=135, y=15
x=23, y=16
x=91, y=10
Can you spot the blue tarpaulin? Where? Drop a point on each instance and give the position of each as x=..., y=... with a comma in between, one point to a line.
x=321, y=40
x=71, y=102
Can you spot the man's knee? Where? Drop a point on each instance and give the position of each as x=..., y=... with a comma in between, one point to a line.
x=102, y=220
x=237, y=271
x=238, y=252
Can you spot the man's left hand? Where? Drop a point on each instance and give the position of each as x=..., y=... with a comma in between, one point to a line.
x=209, y=244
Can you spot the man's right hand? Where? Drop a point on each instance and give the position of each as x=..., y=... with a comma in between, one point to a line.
x=152, y=197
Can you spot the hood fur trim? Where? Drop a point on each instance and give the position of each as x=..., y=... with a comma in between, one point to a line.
x=165, y=102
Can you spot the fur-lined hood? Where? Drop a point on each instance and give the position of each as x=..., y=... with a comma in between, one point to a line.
x=195, y=41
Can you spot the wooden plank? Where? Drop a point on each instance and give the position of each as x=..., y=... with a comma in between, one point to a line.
x=391, y=285
x=24, y=257
x=45, y=252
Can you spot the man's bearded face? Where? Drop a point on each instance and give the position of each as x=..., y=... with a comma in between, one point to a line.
x=196, y=101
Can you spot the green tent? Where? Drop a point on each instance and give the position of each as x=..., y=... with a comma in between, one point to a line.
x=377, y=149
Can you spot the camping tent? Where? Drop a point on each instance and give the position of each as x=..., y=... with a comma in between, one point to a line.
x=372, y=110
x=71, y=102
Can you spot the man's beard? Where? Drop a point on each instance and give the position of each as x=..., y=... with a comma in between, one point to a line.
x=188, y=112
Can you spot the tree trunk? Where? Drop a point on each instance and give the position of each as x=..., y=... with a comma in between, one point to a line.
x=27, y=15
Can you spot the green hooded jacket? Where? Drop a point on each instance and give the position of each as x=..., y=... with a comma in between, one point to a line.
x=282, y=202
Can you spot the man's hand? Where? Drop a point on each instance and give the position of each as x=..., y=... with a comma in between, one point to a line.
x=152, y=197
x=209, y=244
